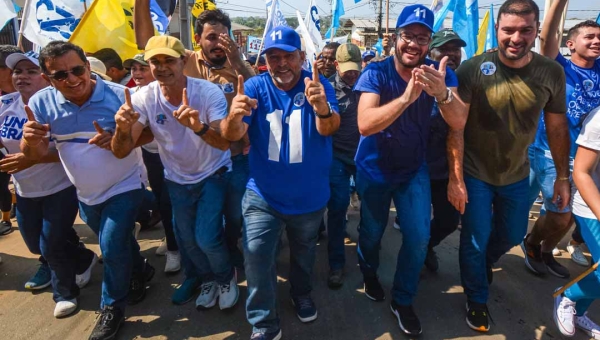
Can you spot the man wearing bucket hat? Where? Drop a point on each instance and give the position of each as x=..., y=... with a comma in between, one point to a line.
x=345, y=142
x=397, y=95
x=184, y=115
x=289, y=115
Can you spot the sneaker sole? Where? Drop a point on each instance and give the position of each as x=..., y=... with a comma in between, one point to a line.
x=88, y=272
x=237, y=296
x=527, y=264
x=114, y=334
x=29, y=287
x=557, y=274
x=209, y=306
x=371, y=297
x=557, y=322
x=308, y=319
x=404, y=330
x=473, y=327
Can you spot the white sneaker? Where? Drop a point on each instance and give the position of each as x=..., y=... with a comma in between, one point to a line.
x=564, y=315
x=397, y=224
x=556, y=252
x=577, y=255
x=584, y=323
x=64, y=308
x=208, y=295
x=173, y=264
x=162, y=248
x=229, y=293
x=136, y=230
x=83, y=279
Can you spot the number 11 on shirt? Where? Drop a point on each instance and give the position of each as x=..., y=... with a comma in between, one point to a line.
x=294, y=135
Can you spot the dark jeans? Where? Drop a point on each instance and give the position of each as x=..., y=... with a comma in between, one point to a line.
x=46, y=224
x=156, y=177
x=5, y=195
x=445, y=216
x=339, y=184
x=233, y=207
x=113, y=221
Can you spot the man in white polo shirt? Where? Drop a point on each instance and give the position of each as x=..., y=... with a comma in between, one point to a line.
x=197, y=163
x=78, y=112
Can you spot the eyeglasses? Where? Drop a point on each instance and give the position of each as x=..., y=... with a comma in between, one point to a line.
x=420, y=39
x=62, y=75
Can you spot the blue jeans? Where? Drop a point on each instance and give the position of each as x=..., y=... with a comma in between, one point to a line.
x=46, y=224
x=198, y=213
x=233, y=206
x=542, y=174
x=113, y=221
x=413, y=206
x=483, y=238
x=339, y=184
x=587, y=290
x=263, y=227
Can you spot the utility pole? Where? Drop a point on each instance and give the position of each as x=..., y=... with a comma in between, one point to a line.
x=380, y=20
x=184, y=23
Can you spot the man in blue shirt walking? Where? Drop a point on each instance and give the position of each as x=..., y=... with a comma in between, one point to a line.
x=396, y=99
x=289, y=115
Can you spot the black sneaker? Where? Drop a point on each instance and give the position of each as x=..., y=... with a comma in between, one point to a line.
x=137, y=285
x=478, y=316
x=13, y=211
x=5, y=227
x=266, y=335
x=431, y=261
x=554, y=267
x=533, y=257
x=407, y=319
x=373, y=289
x=305, y=308
x=108, y=323
x=335, y=280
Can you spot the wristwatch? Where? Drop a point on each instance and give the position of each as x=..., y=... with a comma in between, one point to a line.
x=448, y=99
x=329, y=113
x=204, y=130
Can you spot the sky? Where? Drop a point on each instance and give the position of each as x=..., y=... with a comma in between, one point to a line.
x=578, y=9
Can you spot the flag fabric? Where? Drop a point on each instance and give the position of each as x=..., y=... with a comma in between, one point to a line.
x=107, y=23
x=337, y=10
x=379, y=46
x=8, y=14
x=309, y=46
x=313, y=24
x=465, y=22
x=47, y=20
x=159, y=18
x=440, y=10
x=491, y=40
x=275, y=17
x=199, y=7
x=598, y=18
x=482, y=35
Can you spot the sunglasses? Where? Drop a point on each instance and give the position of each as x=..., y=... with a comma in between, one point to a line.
x=62, y=75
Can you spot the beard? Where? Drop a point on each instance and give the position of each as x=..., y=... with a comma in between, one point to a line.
x=503, y=48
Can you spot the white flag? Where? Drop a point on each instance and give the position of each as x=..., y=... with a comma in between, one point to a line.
x=7, y=14
x=275, y=17
x=309, y=46
x=313, y=25
x=47, y=20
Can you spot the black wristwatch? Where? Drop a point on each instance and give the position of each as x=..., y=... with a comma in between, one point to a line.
x=329, y=113
x=204, y=129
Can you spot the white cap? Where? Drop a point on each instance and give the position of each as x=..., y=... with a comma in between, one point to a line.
x=98, y=67
x=13, y=59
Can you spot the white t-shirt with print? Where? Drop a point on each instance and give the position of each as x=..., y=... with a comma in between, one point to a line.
x=590, y=138
x=186, y=157
x=41, y=179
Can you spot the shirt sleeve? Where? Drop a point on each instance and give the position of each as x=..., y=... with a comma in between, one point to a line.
x=369, y=81
x=451, y=79
x=557, y=102
x=330, y=94
x=590, y=133
x=464, y=78
x=40, y=115
x=216, y=108
x=250, y=91
x=138, y=100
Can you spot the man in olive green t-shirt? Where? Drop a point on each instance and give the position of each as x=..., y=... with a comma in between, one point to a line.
x=505, y=92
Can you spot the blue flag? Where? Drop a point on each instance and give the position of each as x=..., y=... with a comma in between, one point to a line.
x=159, y=18
x=465, y=22
x=598, y=18
x=491, y=41
x=337, y=10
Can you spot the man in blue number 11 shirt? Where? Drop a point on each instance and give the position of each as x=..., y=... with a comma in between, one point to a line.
x=289, y=115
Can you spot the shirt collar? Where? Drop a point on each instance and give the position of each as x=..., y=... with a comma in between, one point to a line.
x=341, y=83
x=209, y=65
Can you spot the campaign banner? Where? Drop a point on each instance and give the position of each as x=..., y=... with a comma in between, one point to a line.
x=254, y=44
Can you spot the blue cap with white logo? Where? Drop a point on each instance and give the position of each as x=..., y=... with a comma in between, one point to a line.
x=282, y=38
x=415, y=14
x=368, y=53
x=13, y=59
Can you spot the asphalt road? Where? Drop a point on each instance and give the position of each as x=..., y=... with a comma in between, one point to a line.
x=520, y=303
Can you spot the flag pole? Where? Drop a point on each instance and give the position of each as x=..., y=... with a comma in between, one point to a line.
x=387, y=17
x=23, y=19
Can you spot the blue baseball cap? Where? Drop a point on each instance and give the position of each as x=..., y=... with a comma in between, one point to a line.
x=282, y=38
x=369, y=53
x=415, y=14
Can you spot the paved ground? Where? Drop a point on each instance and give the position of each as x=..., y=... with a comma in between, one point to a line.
x=520, y=303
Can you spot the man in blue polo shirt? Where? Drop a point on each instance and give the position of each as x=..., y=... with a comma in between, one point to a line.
x=78, y=112
x=396, y=99
x=289, y=115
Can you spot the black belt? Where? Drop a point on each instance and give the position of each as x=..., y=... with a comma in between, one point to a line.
x=221, y=170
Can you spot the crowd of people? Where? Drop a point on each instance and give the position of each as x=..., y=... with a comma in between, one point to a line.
x=236, y=150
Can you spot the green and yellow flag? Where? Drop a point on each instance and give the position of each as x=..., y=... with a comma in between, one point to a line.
x=199, y=7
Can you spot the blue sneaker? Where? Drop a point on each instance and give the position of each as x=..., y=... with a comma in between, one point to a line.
x=305, y=308
x=266, y=336
x=186, y=291
x=41, y=279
